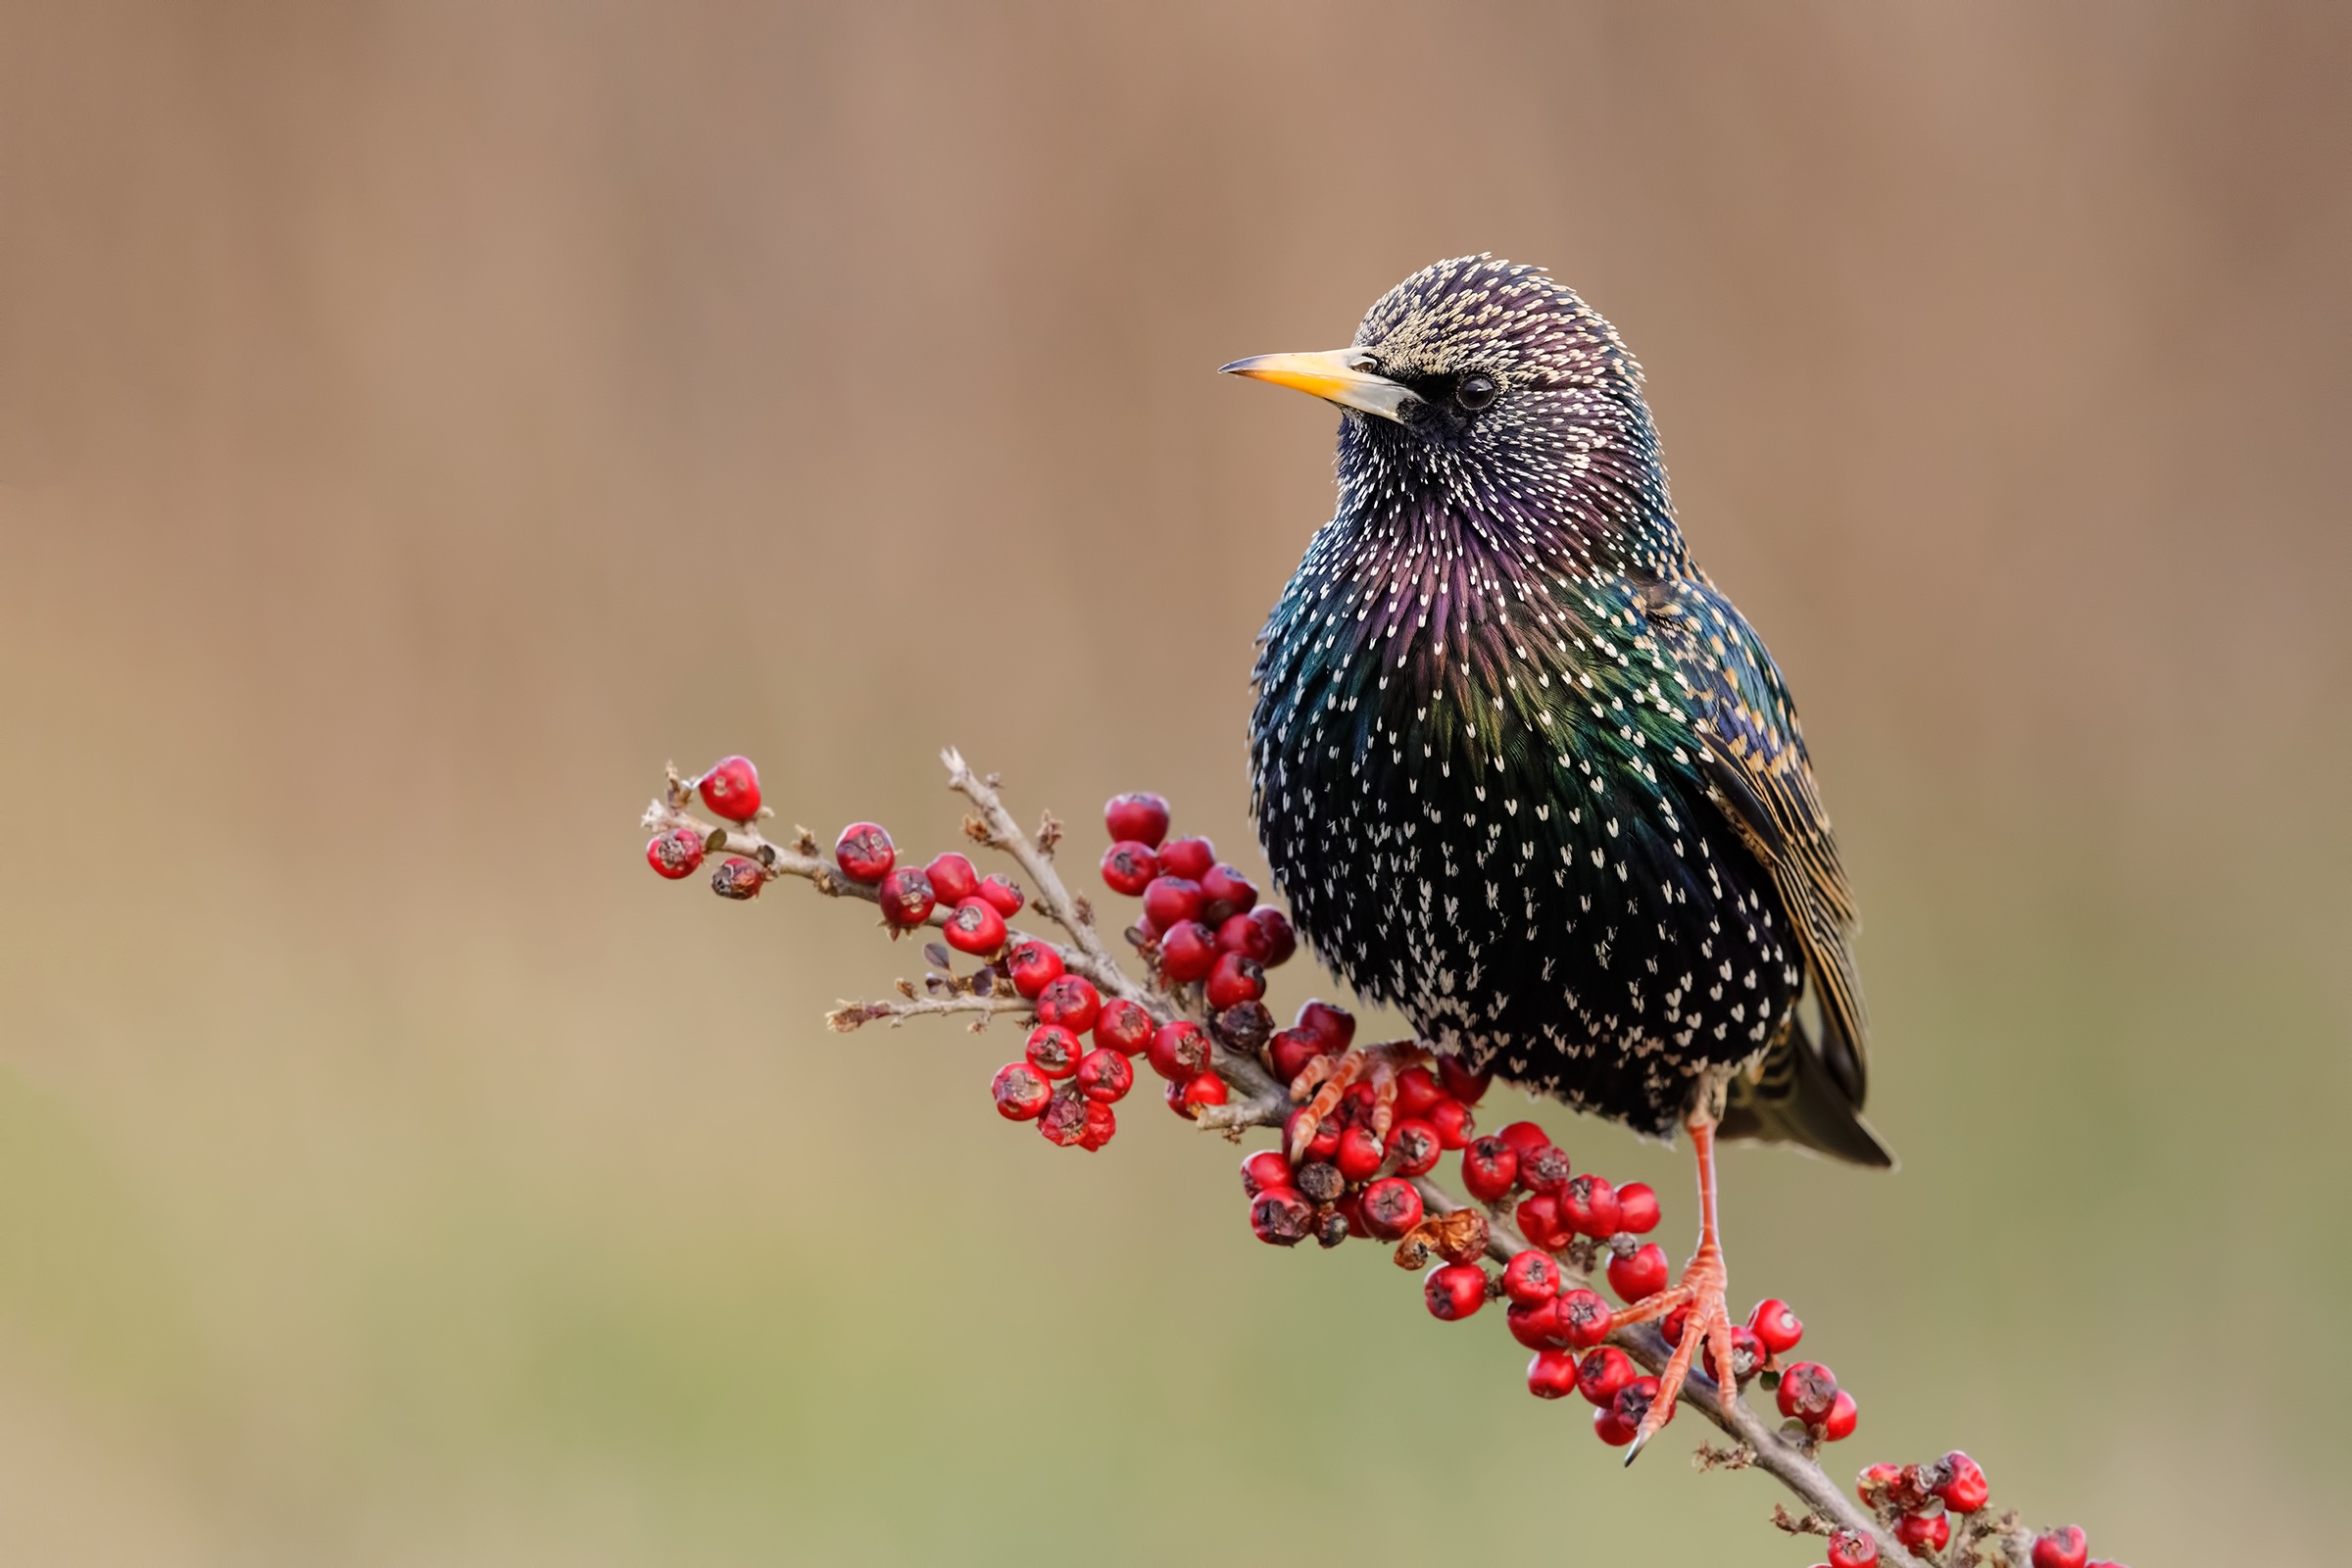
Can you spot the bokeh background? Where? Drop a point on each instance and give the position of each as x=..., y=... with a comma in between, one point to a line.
x=418, y=421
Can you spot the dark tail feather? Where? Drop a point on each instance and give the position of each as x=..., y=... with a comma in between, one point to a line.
x=1794, y=1096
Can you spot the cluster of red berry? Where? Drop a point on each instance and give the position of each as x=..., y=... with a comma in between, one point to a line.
x=1202, y=921
x=1918, y=1501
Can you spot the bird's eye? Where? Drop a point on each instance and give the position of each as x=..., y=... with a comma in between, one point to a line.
x=1475, y=392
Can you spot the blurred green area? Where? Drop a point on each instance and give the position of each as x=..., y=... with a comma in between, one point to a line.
x=418, y=422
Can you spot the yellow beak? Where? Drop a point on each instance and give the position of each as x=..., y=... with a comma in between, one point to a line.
x=1335, y=378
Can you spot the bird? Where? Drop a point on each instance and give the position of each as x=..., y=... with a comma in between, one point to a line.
x=1526, y=774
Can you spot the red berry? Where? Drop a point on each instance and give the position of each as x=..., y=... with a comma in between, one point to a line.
x=1326, y=1140
x=1328, y=1024
x=1003, y=897
x=1604, y=1371
x=1071, y=1001
x=1892, y=1487
x=1206, y=1089
x=1838, y=1424
x=865, y=852
x=1776, y=1325
x=1584, y=1318
x=1960, y=1482
x=1104, y=1074
x=1671, y=1326
x=2062, y=1549
x=1142, y=817
x=1530, y=1277
x=1451, y=1119
x=1524, y=1136
x=1188, y=952
x=1539, y=1219
x=1022, y=1092
x=906, y=898
x=1611, y=1431
x=1808, y=1391
x=1274, y=927
x=738, y=878
x=1413, y=1144
x=732, y=788
x=1064, y=1120
x=1101, y=1123
x=1281, y=1217
x=1460, y=1082
x=1551, y=1375
x=1390, y=1206
x=675, y=853
x=1537, y=1324
x=1638, y=1208
x=1489, y=1169
x=1360, y=1153
x=1122, y=1026
x=1748, y=1355
x=1640, y=1276
x=1178, y=1051
x=953, y=879
x=1633, y=1402
x=975, y=928
x=1588, y=1206
x=1416, y=1091
x=1544, y=1169
x=1850, y=1549
x=1171, y=901
x=1035, y=966
x=1455, y=1291
x=1241, y=934
x=1226, y=893
x=1190, y=859
x=1263, y=1170
x=1054, y=1050
x=1931, y=1531
x=1233, y=980
x=1129, y=868
x=1291, y=1051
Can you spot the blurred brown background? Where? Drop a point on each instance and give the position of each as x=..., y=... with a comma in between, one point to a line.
x=417, y=421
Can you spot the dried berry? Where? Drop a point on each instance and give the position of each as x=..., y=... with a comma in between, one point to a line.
x=738, y=878
x=1101, y=1123
x=865, y=852
x=675, y=853
x=1281, y=1217
x=731, y=789
x=1320, y=1180
x=1022, y=1092
x=1065, y=1119
x=1129, y=868
x=974, y=928
x=1140, y=816
x=1244, y=1026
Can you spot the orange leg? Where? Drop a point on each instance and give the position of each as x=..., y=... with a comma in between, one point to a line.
x=1700, y=1288
x=1329, y=1078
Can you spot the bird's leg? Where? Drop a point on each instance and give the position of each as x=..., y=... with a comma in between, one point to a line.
x=1327, y=1079
x=1700, y=1288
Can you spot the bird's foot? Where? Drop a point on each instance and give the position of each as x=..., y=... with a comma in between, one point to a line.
x=1325, y=1080
x=1706, y=1333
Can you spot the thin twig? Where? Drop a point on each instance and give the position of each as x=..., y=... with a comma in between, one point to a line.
x=853, y=1016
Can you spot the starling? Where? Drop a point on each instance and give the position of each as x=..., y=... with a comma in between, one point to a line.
x=1525, y=773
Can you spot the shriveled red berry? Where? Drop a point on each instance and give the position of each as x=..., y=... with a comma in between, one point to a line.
x=1537, y=1324
x=732, y=788
x=1808, y=1391
x=1003, y=896
x=1524, y=1136
x=1960, y=1482
x=1328, y=1024
x=906, y=898
x=1892, y=1487
x=1022, y=1092
x=865, y=852
x=1589, y=1206
x=1416, y=1091
x=1234, y=979
x=1129, y=868
x=1101, y=1123
x=1071, y=1001
x=1064, y=1120
x=1190, y=859
x=1281, y=1217
x=1291, y=1051
x=1035, y=966
x=1205, y=1089
x=1609, y=1429
x=1585, y=1317
x=1632, y=1404
x=1413, y=1144
x=1360, y=1153
x=1325, y=1143
x=1455, y=1291
x=1641, y=1275
x=675, y=853
x=1188, y=952
x=2065, y=1547
x=1776, y=1325
x=1054, y=1050
x=1104, y=1074
x=1530, y=1277
x=1390, y=1206
x=975, y=928
x=1604, y=1370
x=1551, y=1375
x=1226, y=893
x=1171, y=901
x=1489, y=1169
x=738, y=878
x=953, y=879
x=1637, y=1208
x=1122, y=1026
x=1460, y=1082
x=1544, y=1169
x=1275, y=930
x=1451, y=1119
x=1179, y=1050
x=1931, y=1531
x=1839, y=1425
x=1538, y=1220
x=1140, y=816
x=1851, y=1549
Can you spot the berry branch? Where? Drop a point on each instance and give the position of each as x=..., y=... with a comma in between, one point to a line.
x=1362, y=1130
